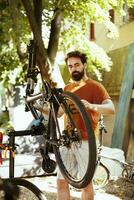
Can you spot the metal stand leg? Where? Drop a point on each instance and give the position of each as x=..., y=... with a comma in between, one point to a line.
x=11, y=158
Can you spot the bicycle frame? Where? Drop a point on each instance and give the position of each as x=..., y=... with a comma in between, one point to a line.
x=53, y=96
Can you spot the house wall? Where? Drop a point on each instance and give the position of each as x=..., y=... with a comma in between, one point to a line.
x=126, y=36
x=128, y=142
x=112, y=81
x=109, y=123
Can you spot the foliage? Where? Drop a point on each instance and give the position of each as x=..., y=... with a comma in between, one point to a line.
x=130, y=3
x=5, y=124
x=15, y=32
x=12, y=40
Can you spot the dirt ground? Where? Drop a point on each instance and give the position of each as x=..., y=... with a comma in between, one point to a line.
x=122, y=188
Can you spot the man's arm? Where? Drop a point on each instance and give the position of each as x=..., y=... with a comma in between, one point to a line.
x=106, y=108
x=45, y=109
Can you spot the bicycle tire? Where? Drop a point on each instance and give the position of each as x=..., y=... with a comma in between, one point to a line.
x=87, y=174
x=27, y=189
x=101, y=176
x=125, y=173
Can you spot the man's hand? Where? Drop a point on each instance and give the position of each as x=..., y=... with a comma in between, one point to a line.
x=44, y=109
x=89, y=105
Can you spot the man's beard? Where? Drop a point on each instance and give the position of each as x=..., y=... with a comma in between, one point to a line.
x=77, y=76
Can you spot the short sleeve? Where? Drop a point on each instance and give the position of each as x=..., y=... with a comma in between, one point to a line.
x=100, y=94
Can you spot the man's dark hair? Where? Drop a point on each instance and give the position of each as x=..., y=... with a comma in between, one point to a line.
x=76, y=54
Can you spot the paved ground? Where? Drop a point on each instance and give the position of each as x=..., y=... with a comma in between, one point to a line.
x=30, y=165
x=48, y=185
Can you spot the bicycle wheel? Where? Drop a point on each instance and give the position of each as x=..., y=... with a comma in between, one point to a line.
x=27, y=190
x=70, y=143
x=125, y=173
x=101, y=176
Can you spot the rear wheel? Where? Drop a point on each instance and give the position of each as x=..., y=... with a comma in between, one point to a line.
x=76, y=148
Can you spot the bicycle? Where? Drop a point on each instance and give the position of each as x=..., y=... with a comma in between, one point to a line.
x=102, y=174
x=58, y=135
x=128, y=170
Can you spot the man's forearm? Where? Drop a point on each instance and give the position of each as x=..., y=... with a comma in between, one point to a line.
x=106, y=107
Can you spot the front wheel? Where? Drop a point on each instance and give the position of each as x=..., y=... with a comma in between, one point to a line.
x=27, y=190
x=101, y=176
x=76, y=147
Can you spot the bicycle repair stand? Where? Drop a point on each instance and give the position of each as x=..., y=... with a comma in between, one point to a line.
x=48, y=164
x=12, y=135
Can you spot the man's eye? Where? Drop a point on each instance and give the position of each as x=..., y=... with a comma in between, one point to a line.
x=70, y=67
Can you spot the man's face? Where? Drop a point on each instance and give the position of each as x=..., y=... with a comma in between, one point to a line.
x=76, y=68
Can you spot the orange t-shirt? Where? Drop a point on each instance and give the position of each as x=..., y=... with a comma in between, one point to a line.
x=95, y=93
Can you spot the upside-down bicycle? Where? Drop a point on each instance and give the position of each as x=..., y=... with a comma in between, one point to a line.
x=58, y=134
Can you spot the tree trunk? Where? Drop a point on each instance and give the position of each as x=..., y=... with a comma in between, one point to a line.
x=41, y=52
x=42, y=56
x=38, y=13
x=54, y=36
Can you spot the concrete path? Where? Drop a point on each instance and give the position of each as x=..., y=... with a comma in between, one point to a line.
x=48, y=186
x=31, y=165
